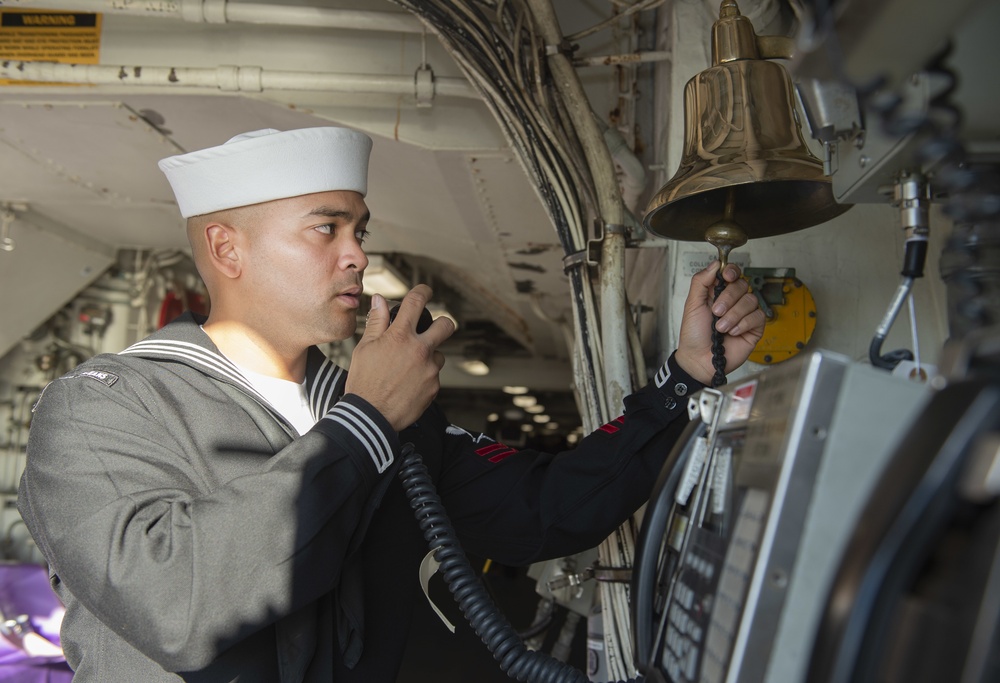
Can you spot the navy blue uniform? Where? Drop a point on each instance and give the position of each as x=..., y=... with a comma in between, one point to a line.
x=189, y=530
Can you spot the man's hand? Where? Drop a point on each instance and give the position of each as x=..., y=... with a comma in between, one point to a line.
x=740, y=319
x=394, y=368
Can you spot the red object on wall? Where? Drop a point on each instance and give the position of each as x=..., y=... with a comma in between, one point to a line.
x=173, y=305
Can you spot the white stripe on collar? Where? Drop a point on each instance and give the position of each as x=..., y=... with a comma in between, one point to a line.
x=325, y=385
x=325, y=388
x=194, y=353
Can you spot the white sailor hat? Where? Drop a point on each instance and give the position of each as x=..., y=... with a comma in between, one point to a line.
x=268, y=164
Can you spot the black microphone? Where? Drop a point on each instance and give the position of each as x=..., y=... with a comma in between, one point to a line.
x=422, y=324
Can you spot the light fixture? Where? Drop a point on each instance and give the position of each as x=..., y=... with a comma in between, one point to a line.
x=381, y=277
x=527, y=428
x=535, y=409
x=572, y=438
x=541, y=419
x=477, y=368
x=552, y=426
x=474, y=361
x=493, y=417
x=524, y=401
x=515, y=391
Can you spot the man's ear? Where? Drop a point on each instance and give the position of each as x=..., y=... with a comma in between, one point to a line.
x=220, y=241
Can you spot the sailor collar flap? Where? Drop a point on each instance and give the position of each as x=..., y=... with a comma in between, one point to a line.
x=183, y=341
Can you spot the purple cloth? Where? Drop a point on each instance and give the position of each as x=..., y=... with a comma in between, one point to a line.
x=24, y=589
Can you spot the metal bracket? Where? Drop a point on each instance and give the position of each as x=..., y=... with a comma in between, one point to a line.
x=709, y=401
x=423, y=86
x=594, y=571
x=575, y=260
x=7, y=218
x=768, y=293
x=594, y=245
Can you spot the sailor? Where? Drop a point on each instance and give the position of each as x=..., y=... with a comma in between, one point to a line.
x=219, y=501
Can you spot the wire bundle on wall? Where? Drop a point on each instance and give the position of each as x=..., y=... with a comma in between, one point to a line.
x=501, y=45
x=498, y=48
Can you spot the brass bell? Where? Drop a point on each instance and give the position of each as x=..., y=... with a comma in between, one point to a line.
x=746, y=171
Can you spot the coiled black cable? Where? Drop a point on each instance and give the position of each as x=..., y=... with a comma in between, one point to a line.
x=969, y=192
x=940, y=147
x=969, y=195
x=475, y=602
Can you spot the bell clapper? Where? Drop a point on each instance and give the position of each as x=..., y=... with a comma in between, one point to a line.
x=725, y=235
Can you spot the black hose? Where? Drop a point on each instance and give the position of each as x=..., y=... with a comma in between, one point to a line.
x=538, y=627
x=914, y=257
x=475, y=602
x=886, y=361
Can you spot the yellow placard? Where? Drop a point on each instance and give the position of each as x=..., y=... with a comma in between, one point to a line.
x=48, y=36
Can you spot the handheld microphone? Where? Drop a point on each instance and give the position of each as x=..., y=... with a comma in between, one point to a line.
x=422, y=324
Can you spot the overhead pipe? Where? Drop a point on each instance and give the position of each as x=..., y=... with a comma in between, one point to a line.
x=222, y=12
x=633, y=176
x=617, y=373
x=231, y=78
x=614, y=337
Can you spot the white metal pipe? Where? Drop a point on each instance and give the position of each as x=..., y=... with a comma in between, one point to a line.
x=615, y=360
x=633, y=176
x=227, y=77
x=617, y=373
x=358, y=20
x=220, y=11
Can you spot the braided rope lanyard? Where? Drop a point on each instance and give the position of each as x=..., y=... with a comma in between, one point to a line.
x=718, y=349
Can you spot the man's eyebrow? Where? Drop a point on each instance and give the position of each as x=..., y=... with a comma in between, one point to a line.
x=328, y=212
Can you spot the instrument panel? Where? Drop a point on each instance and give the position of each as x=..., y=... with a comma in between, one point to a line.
x=746, y=522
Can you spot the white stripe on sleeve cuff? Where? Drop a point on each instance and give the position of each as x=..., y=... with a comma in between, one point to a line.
x=365, y=431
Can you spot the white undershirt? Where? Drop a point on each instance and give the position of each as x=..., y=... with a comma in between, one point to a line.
x=287, y=397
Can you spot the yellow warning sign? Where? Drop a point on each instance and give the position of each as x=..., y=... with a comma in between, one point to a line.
x=47, y=36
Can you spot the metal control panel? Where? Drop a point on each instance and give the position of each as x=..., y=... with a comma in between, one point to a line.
x=762, y=509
